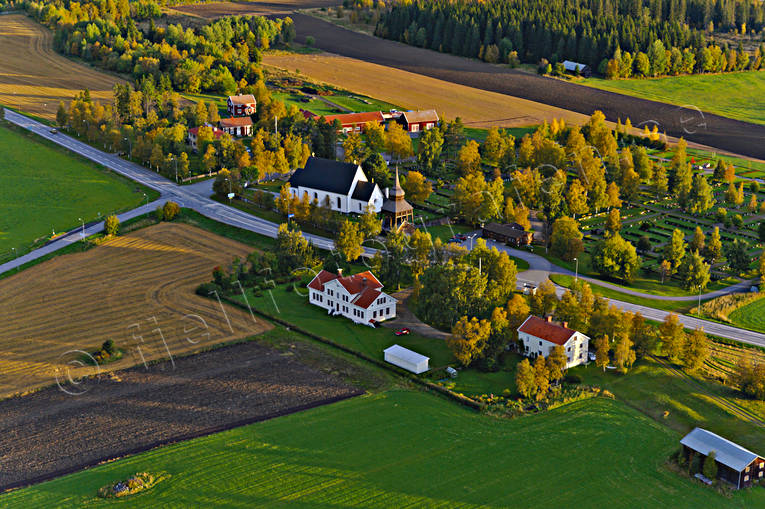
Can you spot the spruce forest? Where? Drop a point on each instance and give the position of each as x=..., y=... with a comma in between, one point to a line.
x=636, y=37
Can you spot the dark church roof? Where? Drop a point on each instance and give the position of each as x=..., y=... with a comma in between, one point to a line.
x=363, y=190
x=325, y=175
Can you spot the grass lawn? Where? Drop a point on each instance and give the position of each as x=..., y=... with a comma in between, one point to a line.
x=739, y=95
x=751, y=316
x=45, y=188
x=293, y=307
x=447, y=231
x=677, y=306
x=409, y=449
x=670, y=288
x=654, y=390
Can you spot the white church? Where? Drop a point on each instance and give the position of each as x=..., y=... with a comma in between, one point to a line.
x=345, y=184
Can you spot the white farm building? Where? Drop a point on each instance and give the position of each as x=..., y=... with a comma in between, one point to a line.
x=407, y=359
x=358, y=297
x=539, y=336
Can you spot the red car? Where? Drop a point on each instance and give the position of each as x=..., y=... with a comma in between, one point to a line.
x=402, y=332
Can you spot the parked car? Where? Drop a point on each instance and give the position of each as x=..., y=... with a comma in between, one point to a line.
x=462, y=238
x=592, y=356
x=453, y=240
x=53, y=131
x=402, y=332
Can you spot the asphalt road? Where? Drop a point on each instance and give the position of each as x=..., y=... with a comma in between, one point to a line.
x=196, y=197
x=687, y=121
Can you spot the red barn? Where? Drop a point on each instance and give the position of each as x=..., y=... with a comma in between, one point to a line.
x=416, y=121
x=354, y=122
x=239, y=105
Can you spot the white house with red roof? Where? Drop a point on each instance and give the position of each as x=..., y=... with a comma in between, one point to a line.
x=538, y=336
x=358, y=297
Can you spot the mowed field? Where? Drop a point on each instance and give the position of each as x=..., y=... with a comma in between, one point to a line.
x=214, y=10
x=35, y=78
x=476, y=107
x=137, y=290
x=410, y=449
x=45, y=188
x=739, y=95
x=751, y=316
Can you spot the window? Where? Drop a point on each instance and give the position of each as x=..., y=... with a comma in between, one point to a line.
x=315, y=196
x=338, y=202
x=746, y=478
x=359, y=206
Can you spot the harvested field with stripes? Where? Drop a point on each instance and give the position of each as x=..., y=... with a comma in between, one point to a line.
x=137, y=290
x=35, y=78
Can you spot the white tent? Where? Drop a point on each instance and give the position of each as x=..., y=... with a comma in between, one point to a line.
x=407, y=359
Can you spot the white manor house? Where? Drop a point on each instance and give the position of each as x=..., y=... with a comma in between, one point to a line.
x=358, y=297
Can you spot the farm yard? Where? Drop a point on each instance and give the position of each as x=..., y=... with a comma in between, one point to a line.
x=34, y=78
x=477, y=108
x=62, y=187
x=135, y=409
x=137, y=290
x=387, y=452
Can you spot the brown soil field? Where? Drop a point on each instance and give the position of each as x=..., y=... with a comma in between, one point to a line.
x=213, y=10
x=476, y=107
x=137, y=290
x=50, y=433
x=699, y=127
x=34, y=77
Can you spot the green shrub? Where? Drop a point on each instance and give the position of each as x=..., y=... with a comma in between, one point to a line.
x=111, y=225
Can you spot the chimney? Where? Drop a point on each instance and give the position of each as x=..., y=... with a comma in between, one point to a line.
x=565, y=325
x=340, y=272
x=387, y=193
x=364, y=281
x=549, y=318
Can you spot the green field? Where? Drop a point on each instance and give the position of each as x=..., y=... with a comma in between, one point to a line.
x=739, y=95
x=404, y=448
x=751, y=316
x=44, y=188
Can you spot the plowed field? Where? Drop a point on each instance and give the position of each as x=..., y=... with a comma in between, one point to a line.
x=34, y=77
x=137, y=290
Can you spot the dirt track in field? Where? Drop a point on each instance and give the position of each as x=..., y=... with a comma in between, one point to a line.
x=704, y=128
x=50, y=433
x=137, y=290
x=36, y=78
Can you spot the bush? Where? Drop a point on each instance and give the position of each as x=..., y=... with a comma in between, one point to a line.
x=108, y=347
x=170, y=210
x=310, y=41
x=111, y=225
x=205, y=289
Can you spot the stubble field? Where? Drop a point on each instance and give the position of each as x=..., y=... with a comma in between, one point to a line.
x=137, y=290
x=476, y=107
x=35, y=78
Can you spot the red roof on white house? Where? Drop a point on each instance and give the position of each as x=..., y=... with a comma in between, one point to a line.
x=547, y=330
x=364, y=285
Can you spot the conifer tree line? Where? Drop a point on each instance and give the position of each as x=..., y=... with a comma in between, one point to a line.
x=212, y=58
x=645, y=38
